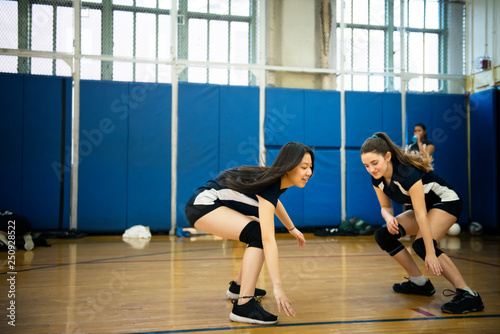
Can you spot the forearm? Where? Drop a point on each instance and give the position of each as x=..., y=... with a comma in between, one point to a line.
x=425, y=230
x=387, y=213
x=283, y=216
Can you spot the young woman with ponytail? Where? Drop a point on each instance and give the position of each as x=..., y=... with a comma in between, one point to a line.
x=434, y=206
x=227, y=207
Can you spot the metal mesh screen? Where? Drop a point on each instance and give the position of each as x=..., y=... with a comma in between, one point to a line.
x=218, y=32
x=421, y=38
x=376, y=44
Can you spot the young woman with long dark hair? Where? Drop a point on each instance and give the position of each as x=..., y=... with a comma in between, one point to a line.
x=434, y=206
x=226, y=207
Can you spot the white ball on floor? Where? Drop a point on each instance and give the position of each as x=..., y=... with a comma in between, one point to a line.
x=475, y=228
x=454, y=229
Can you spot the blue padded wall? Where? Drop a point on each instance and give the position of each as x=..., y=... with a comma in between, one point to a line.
x=485, y=150
x=363, y=116
x=322, y=118
x=450, y=136
x=311, y=117
x=30, y=137
x=125, y=146
x=319, y=202
x=11, y=141
x=227, y=136
x=42, y=150
x=198, y=150
x=391, y=116
x=361, y=200
x=285, y=116
x=149, y=155
x=239, y=126
x=369, y=112
x=102, y=192
x=322, y=194
x=445, y=117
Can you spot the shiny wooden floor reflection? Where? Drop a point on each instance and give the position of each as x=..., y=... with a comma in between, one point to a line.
x=177, y=285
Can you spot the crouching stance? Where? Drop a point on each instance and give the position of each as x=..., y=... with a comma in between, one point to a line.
x=409, y=179
x=223, y=207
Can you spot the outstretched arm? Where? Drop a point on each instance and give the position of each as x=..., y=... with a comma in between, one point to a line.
x=287, y=222
x=387, y=211
x=266, y=215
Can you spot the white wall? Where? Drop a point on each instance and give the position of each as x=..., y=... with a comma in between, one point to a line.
x=482, y=18
x=292, y=42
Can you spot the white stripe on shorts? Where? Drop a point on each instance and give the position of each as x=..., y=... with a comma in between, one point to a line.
x=209, y=196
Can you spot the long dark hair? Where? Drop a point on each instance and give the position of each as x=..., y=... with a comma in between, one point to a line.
x=254, y=179
x=380, y=143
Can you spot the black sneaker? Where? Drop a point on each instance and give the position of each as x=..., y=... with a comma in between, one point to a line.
x=234, y=291
x=463, y=302
x=252, y=313
x=411, y=288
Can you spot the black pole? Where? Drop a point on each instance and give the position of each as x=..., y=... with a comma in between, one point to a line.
x=63, y=153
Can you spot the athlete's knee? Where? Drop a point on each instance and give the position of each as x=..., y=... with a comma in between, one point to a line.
x=419, y=248
x=387, y=241
x=251, y=235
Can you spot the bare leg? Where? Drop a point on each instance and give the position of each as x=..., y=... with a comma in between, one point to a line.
x=404, y=258
x=250, y=270
x=451, y=272
x=406, y=261
x=441, y=222
x=238, y=278
x=227, y=223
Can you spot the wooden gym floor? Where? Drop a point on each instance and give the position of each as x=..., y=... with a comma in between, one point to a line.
x=178, y=285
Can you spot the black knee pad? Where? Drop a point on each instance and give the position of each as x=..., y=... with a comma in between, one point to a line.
x=388, y=242
x=252, y=235
x=419, y=248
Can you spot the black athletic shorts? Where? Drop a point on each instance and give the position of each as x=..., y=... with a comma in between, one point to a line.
x=209, y=201
x=453, y=208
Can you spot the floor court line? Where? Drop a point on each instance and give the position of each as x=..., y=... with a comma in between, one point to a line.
x=113, y=260
x=475, y=261
x=427, y=314
x=345, y=322
x=106, y=261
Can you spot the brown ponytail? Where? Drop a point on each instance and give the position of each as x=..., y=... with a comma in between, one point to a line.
x=380, y=143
